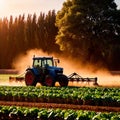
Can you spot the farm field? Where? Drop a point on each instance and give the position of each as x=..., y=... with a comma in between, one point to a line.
x=73, y=102
x=4, y=80
x=65, y=95
x=41, y=103
x=24, y=113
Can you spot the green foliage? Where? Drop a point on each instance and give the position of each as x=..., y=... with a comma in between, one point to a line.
x=71, y=95
x=24, y=113
x=87, y=29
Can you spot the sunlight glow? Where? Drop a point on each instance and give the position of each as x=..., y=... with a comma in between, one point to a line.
x=20, y=7
x=2, y=7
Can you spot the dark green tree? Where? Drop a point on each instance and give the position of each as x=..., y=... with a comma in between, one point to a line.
x=10, y=47
x=46, y=32
x=29, y=32
x=4, y=42
x=87, y=29
x=51, y=32
x=21, y=42
x=113, y=55
x=41, y=30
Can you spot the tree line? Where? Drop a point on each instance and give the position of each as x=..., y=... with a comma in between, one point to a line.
x=17, y=35
x=85, y=30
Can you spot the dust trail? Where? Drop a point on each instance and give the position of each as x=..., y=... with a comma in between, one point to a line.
x=70, y=65
x=23, y=61
x=105, y=78
x=7, y=83
x=4, y=80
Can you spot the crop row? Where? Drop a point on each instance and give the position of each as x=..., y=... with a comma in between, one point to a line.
x=72, y=95
x=24, y=113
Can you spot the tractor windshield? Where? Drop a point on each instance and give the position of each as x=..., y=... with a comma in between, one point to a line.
x=42, y=62
x=36, y=63
x=48, y=62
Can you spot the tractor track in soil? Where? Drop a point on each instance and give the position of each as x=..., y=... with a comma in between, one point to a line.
x=62, y=106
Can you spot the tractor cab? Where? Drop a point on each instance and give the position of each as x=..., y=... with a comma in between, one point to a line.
x=46, y=65
x=44, y=62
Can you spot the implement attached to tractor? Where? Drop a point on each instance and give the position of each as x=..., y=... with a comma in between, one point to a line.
x=44, y=70
x=74, y=77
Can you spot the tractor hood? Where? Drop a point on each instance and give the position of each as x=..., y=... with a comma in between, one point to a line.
x=56, y=70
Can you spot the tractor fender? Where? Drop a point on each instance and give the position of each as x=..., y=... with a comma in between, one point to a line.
x=52, y=74
x=35, y=71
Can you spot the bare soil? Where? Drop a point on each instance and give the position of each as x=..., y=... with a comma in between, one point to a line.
x=62, y=106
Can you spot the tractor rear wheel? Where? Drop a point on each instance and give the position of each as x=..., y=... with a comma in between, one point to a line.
x=30, y=79
x=49, y=81
x=63, y=80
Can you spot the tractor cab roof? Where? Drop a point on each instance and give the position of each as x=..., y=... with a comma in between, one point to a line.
x=38, y=58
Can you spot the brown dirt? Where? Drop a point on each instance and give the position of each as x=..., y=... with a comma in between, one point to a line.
x=62, y=106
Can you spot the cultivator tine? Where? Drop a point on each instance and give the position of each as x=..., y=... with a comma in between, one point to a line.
x=95, y=82
x=18, y=78
x=74, y=77
x=11, y=79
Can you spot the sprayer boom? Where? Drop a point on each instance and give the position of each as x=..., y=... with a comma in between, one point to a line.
x=74, y=77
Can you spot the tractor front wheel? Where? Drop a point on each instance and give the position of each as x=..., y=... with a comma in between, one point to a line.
x=49, y=81
x=63, y=80
x=30, y=78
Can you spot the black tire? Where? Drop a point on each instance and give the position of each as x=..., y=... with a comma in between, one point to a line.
x=49, y=81
x=30, y=78
x=63, y=80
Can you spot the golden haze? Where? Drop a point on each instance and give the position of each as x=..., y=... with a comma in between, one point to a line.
x=104, y=77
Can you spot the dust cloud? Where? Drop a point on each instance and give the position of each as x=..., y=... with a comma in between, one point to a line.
x=7, y=83
x=104, y=77
x=23, y=61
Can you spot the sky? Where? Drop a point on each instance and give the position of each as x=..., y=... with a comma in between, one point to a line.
x=118, y=3
x=17, y=7
x=20, y=7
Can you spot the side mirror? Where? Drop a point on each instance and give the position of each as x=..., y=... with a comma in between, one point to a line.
x=56, y=61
